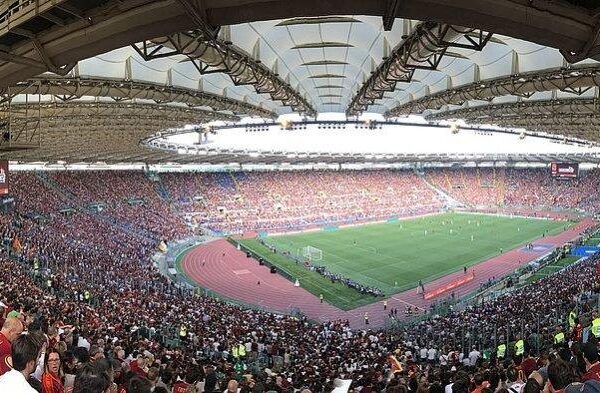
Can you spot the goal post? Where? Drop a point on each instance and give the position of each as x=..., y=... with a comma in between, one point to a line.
x=312, y=253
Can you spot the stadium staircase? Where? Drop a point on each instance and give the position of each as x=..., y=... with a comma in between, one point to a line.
x=160, y=188
x=164, y=194
x=449, y=201
x=53, y=185
x=226, y=181
x=234, y=180
x=74, y=202
x=122, y=226
x=500, y=183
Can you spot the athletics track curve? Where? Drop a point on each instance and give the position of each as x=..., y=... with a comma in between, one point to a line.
x=220, y=267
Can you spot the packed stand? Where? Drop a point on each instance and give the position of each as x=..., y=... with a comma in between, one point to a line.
x=101, y=318
x=473, y=186
x=522, y=188
x=129, y=197
x=106, y=317
x=238, y=202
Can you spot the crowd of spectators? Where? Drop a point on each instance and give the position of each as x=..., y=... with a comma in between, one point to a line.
x=512, y=187
x=100, y=317
x=237, y=202
x=474, y=186
x=124, y=333
x=129, y=197
x=280, y=201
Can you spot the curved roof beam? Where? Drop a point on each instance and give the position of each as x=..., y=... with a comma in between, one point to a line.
x=584, y=126
x=74, y=30
x=51, y=109
x=54, y=138
x=570, y=80
x=28, y=125
x=424, y=48
x=358, y=70
x=488, y=113
x=542, y=122
x=218, y=56
x=564, y=116
x=72, y=88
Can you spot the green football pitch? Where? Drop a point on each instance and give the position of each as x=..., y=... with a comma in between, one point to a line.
x=394, y=256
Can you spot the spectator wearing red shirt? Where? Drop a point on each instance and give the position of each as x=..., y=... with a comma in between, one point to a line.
x=11, y=329
x=529, y=364
x=180, y=387
x=592, y=365
x=52, y=379
x=191, y=378
x=137, y=366
x=479, y=382
x=577, y=333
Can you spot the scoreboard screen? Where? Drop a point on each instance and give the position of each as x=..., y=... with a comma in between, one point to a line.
x=563, y=170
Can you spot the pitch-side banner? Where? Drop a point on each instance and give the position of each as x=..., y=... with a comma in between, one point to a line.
x=3, y=177
x=564, y=170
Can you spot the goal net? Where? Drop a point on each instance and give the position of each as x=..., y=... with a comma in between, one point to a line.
x=312, y=253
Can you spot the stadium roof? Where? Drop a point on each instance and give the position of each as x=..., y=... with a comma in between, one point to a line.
x=123, y=70
x=375, y=142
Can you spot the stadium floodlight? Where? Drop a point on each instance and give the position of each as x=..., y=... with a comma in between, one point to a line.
x=454, y=127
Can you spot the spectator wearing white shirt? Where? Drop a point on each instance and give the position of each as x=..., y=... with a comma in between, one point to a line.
x=431, y=352
x=466, y=361
x=25, y=351
x=474, y=356
x=443, y=359
x=423, y=354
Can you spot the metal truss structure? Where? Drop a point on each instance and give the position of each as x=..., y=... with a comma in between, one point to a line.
x=521, y=108
x=214, y=55
x=577, y=117
x=53, y=126
x=68, y=89
x=424, y=48
x=576, y=80
x=52, y=35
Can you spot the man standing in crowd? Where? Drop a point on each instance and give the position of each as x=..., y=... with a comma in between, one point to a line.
x=25, y=352
x=11, y=329
x=592, y=365
x=474, y=356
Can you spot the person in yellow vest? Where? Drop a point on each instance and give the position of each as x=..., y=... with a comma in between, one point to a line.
x=238, y=351
x=385, y=304
x=87, y=296
x=366, y=318
x=321, y=298
x=183, y=332
x=501, y=351
x=559, y=337
x=596, y=326
x=572, y=316
x=519, y=347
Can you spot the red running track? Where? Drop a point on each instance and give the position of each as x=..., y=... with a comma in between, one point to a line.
x=220, y=267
